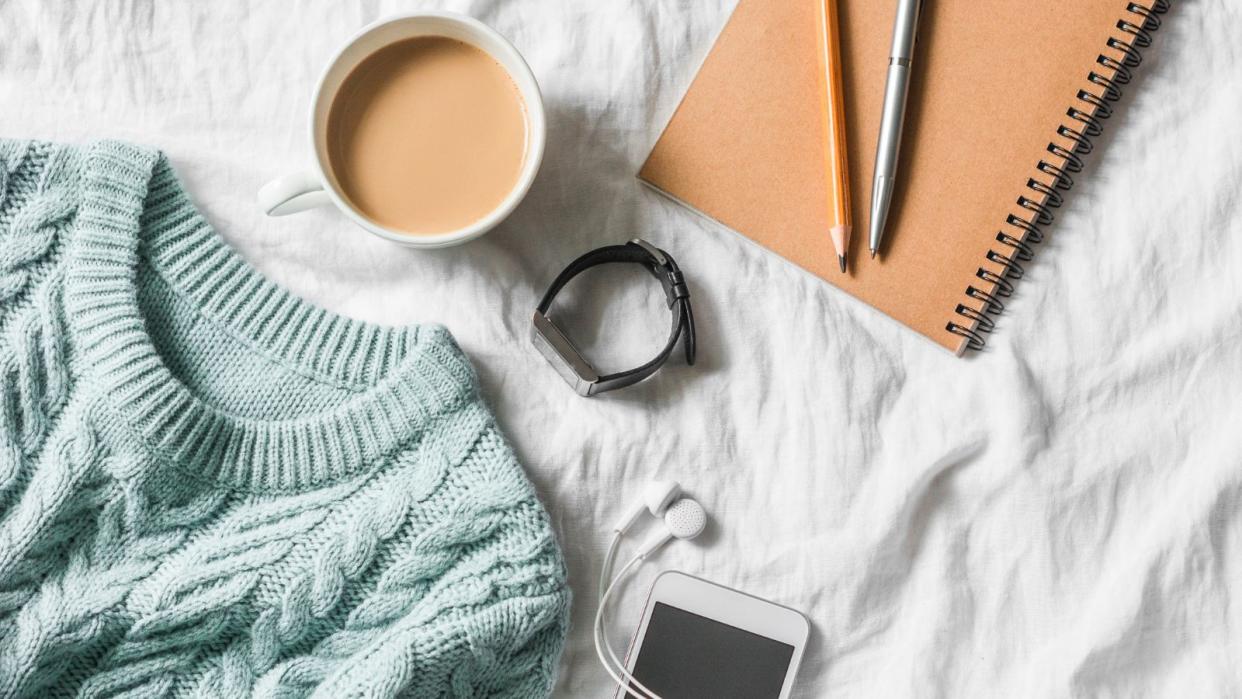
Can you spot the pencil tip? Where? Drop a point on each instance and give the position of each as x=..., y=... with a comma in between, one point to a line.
x=841, y=259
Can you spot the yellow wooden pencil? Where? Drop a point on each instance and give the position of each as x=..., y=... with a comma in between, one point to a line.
x=839, y=219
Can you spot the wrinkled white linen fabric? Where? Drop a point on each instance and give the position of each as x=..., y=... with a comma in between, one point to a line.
x=1058, y=516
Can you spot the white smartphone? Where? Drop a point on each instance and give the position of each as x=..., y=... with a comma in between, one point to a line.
x=699, y=639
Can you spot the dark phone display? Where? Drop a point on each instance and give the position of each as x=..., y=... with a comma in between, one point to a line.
x=687, y=656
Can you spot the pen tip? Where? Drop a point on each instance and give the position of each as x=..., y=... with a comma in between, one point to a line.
x=873, y=252
x=841, y=259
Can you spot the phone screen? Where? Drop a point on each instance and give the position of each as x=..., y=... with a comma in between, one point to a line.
x=686, y=656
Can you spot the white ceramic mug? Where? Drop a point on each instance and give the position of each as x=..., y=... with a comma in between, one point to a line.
x=318, y=186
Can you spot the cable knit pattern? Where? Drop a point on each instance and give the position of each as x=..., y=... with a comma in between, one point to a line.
x=210, y=488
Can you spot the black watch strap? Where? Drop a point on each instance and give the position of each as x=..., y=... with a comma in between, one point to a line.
x=566, y=358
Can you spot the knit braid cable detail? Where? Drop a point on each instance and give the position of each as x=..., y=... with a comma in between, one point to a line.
x=107, y=541
x=34, y=377
x=439, y=577
x=46, y=617
x=195, y=603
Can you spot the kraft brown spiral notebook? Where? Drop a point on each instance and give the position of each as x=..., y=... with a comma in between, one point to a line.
x=1006, y=98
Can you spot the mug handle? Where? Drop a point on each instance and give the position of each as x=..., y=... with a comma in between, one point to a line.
x=291, y=194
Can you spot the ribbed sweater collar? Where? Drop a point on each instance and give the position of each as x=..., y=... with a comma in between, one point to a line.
x=133, y=206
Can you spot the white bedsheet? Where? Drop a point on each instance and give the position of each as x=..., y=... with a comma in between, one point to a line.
x=1056, y=517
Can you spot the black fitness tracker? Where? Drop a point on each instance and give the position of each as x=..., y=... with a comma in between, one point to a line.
x=569, y=362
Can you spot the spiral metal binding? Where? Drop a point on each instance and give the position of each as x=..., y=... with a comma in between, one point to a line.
x=1084, y=123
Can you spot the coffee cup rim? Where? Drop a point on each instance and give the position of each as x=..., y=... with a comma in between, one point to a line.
x=511, y=60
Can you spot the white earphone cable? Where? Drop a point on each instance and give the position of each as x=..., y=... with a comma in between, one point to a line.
x=605, y=573
x=606, y=582
x=624, y=679
x=617, y=671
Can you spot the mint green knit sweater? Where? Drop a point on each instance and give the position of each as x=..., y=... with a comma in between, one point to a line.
x=209, y=487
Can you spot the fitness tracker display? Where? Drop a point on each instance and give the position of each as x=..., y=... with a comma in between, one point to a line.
x=555, y=346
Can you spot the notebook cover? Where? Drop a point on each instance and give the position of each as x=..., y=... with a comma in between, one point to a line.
x=992, y=82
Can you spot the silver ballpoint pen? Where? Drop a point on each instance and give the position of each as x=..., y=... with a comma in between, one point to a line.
x=896, y=86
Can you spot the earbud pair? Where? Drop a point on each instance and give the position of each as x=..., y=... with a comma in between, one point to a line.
x=683, y=518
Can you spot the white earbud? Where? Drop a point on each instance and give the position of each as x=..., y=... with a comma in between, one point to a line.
x=685, y=519
x=656, y=499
